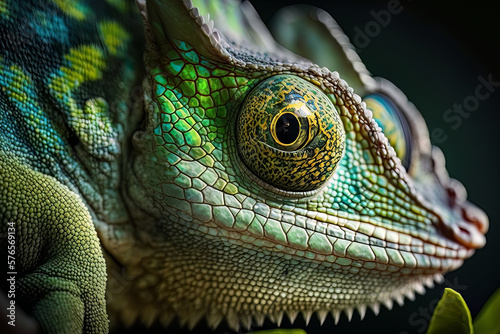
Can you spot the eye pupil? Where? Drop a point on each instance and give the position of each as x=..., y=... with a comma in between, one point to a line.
x=287, y=128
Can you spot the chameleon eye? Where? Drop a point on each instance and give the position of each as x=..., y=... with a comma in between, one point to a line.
x=393, y=124
x=290, y=134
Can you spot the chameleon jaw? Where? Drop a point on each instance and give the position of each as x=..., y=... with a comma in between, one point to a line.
x=205, y=284
x=322, y=314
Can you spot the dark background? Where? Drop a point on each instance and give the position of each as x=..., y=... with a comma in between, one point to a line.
x=434, y=52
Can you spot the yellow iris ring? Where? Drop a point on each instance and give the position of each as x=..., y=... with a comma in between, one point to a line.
x=301, y=114
x=274, y=132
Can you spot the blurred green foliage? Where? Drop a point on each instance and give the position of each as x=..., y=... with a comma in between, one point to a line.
x=453, y=316
x=488, y=320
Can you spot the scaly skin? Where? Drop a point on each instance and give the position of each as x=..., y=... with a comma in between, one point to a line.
x=203, y=207
x=66, y=74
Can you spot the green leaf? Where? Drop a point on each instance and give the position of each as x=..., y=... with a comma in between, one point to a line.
x=488, y=319
x=281, y=331
x=451, y=315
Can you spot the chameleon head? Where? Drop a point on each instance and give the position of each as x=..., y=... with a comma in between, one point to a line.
x=272, y=186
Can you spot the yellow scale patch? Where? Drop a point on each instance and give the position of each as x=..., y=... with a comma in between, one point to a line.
x=16, y=91
x=19, y=91
x=4, y=7
x=114, y=37
x=82, y=64
x=72, y=8
x=90, y=123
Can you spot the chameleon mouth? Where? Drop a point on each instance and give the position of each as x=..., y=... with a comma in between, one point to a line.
x=364, y=245
x=470, y=232
x=460, y=220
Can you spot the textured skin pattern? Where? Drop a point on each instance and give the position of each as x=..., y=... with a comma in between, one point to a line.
x=66, y=71
x=186, y=228
x=62, y=274
x=310, y=159
x=66, y=80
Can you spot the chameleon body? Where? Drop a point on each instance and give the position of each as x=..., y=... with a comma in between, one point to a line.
x=211, y=172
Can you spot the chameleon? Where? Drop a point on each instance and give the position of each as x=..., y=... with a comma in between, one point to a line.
x=169, y=159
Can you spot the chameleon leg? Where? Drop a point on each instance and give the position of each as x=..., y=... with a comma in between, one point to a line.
x=61, y=272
